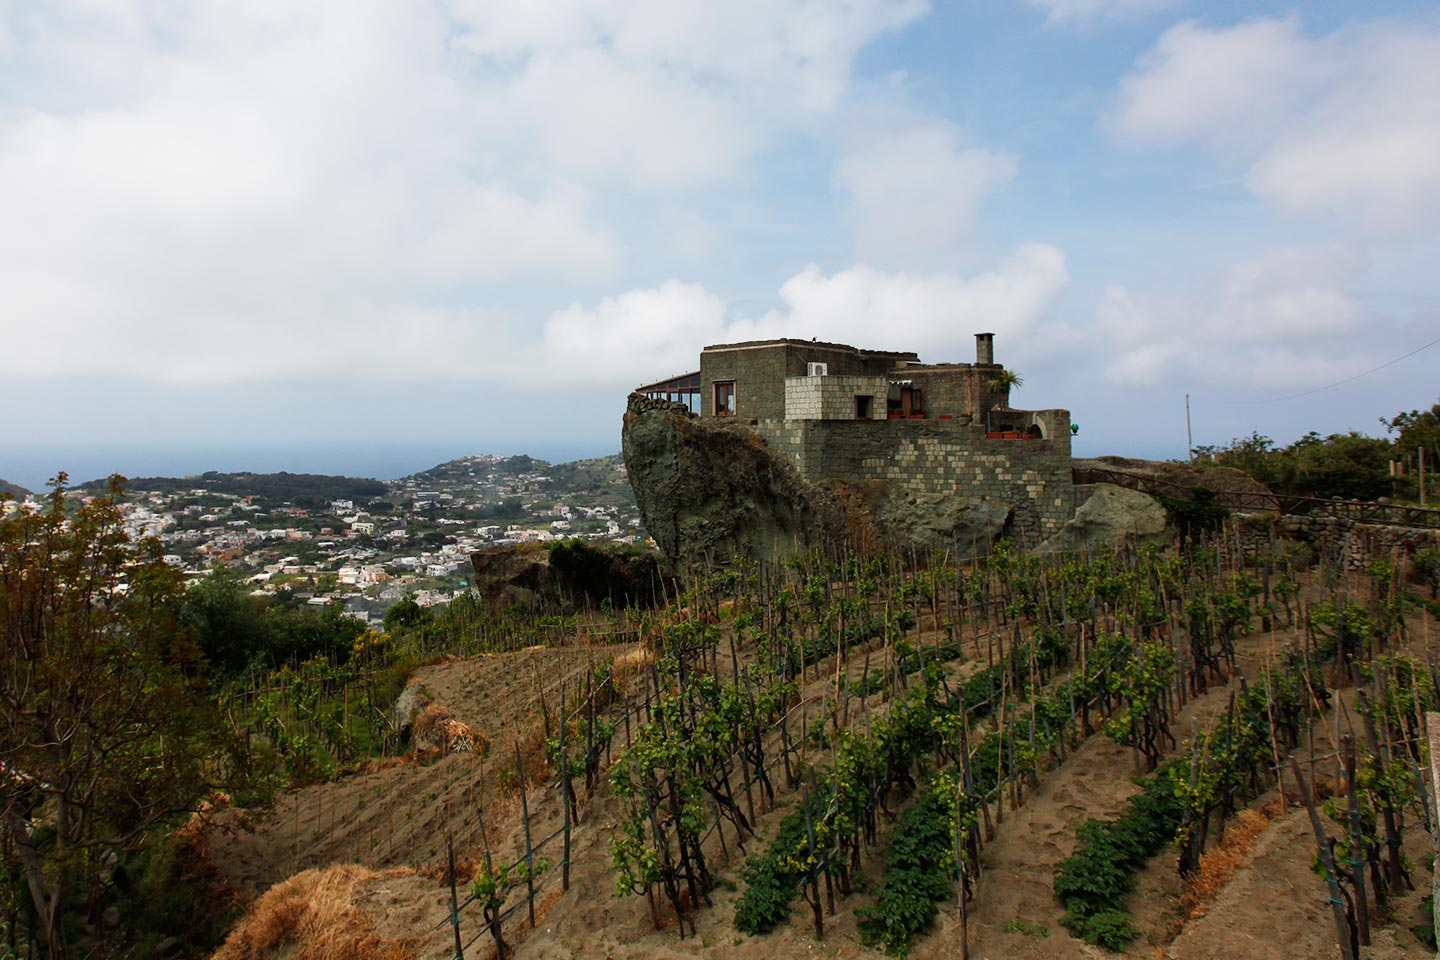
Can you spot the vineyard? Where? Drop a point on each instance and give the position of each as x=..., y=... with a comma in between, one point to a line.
x=1021, y=756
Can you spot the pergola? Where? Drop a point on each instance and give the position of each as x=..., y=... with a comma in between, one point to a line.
x=682, y=389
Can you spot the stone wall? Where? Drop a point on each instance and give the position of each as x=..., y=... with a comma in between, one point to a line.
x=1349, y=543
x=760, y=370
x=832, y=397
x=957, y=389
x=936, y=457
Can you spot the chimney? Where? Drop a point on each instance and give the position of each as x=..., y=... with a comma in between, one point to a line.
x=984, y=349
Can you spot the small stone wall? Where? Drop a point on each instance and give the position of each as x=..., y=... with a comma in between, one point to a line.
x=1349, y=543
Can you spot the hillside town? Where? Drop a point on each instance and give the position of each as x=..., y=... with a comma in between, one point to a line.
x=374, y=542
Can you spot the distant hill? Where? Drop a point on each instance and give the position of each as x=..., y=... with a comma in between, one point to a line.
x=600, y=479
x=473, y=467
x=14, y=489
x=297, y=487
x=572, y=475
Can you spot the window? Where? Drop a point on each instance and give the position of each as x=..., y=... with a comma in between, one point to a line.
x=724, y=398
x=862, y=408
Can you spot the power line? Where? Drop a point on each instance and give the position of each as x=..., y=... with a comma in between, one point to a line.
x=1337, y=383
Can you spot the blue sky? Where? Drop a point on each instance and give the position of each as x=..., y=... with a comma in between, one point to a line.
x=341, y=235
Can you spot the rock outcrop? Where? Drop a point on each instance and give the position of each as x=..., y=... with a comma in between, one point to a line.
x=708, y=491
x=945, y=522
x=1111, y=514
x=711, y=489
x=566, y=572
x=1232, y=487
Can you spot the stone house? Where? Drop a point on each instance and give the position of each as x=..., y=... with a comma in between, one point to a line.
x=923, y=432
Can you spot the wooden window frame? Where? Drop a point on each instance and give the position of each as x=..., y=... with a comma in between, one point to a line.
x=725, y=389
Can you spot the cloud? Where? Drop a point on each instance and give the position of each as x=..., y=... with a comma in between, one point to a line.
x=1278, y=320
x=1336, y=124
x=671, y=93
x=268, y=190
x=644, y=335
x=1086, y=12
x=914, y=192
x=793, y=55
x=600, y=119
x=252, y=184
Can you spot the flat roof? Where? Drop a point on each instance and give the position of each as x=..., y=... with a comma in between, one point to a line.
x=676, y=384
x=792, y=342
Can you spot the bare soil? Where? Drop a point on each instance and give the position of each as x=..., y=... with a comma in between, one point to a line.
x=400, y=816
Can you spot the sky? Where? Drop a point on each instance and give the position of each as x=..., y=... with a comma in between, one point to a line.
x=364, y=236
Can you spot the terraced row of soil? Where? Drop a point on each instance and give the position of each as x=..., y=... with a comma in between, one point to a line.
x=401, y=815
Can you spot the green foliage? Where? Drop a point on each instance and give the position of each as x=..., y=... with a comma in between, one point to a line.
x=108, y=735
x=1196, y=516
x=234, y=629
x=1344, y=627
x=1425, y=930
x=1030, y=928
x=303, y=489
x=1004, y=380
x=405, y=612
x=920, y=871
x=1094, y=881
x=1346, y=465
x=1415, y=430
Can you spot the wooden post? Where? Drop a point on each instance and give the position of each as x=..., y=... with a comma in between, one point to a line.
x=529, y=851
x=454, y=896
x=1358, y=857
x=565, y=793
x=1337, y=906
x=1432, y=733
x=1421, y=452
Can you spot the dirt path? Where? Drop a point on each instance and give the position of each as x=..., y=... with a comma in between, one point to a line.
x=1277, y=906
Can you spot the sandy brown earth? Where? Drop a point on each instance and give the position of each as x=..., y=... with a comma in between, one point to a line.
x=400, y=814
x=1274, y=906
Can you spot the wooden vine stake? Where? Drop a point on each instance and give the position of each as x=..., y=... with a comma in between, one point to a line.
x=1337, y=905
x=529, y=850
x=1357, y=843
x=1432, y=733
x=454, y=896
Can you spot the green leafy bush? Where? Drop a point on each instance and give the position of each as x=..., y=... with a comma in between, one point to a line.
x=1094, y=881
x=920, y=871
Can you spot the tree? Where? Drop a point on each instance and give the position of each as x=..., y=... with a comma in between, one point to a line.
x=228, y=623
x=1005, y=380
x=105, y=734
x=405, y=613
x=1417, y=430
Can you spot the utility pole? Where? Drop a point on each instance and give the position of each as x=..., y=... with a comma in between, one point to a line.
x=1189, y=437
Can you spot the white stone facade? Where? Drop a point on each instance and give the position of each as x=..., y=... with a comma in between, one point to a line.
x=834, y=398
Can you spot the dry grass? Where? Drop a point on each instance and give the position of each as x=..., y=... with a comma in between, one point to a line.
x=312, y=916
x=376, y=764
x=630, y=665
x=437, y=728
x=1219, y=865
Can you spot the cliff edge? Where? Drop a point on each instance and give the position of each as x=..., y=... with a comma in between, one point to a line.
x=709, y=492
